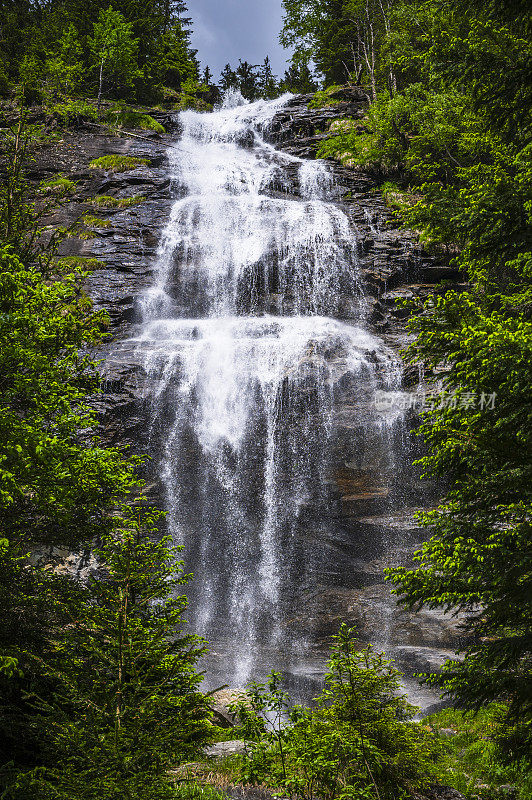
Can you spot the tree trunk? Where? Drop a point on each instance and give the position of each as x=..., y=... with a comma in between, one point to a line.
x=100, y=85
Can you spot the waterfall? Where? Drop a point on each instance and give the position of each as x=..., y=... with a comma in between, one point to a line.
x=254, y=343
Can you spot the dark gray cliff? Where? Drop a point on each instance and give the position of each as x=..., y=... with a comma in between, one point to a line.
x=371, y=521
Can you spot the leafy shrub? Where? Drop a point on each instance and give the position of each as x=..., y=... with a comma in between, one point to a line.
x=74, y=112
x=122, y=116
x=116, y=163
x=4, y=82
x=359, y=742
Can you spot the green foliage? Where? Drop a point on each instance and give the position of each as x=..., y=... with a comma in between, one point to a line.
x=456, y=140
x=65, y=68
x=122, y=116
x=114, y=51
x=116, y=163
x=253, y=81
x=125, y=704
x=52, y=487
x=324, y=98
x=72, y=112
x=472, y=756
x=23, y=211
x=298, y=79
x=359, y=742
x=31, y=74
x=98, y=683
x=345, y=40
x=195, y=791
x=66, y=48
x=83, y=263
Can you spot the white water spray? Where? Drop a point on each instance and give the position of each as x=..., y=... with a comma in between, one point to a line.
x=245, y=360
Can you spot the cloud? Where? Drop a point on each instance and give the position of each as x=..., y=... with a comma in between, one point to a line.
x=226, y=30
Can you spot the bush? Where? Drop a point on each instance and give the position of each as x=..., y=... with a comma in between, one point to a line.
x=359, y=742
x=123, y=117
x=325, y=97
x=74, y=112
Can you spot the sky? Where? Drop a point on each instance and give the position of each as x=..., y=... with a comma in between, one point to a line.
x=226, y=30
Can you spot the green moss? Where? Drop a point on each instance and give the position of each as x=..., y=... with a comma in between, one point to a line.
x=325, y=97
x=106, y=201
x=116, y=163
x=123, y=117
x=95, y=222
x=79, y=262
x=59, y=185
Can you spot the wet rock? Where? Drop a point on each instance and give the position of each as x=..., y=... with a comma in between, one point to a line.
x=234, y=747
x=443, y=793
x=365, y=483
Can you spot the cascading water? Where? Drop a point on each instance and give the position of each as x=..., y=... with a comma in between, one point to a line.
x=247, y=364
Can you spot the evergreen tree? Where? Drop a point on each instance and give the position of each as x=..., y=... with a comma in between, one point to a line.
x=267, y=85
x=299, y=80
x=124, y=705
x=228, y=79
x=247, y=80
x=357, y=741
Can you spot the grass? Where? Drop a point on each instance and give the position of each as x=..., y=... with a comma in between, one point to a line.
x=116, y=163
x=217, y=773
x=472, y=762
x=196, y=791
x=106, y=201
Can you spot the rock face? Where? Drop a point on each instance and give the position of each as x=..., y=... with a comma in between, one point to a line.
x=394, y=266
x=370, y=519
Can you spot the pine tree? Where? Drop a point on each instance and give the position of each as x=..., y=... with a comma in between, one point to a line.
x=267, y=85
x=248, y=81
x=228, y=79
x=299, y=80
x=124, y=705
